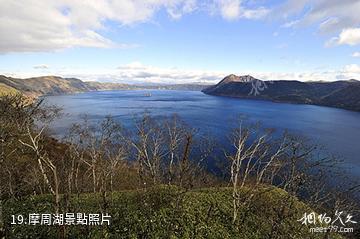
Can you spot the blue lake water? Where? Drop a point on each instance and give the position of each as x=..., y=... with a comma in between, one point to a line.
x=337, y=130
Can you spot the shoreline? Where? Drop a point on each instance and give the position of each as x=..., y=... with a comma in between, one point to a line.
x=280, y=102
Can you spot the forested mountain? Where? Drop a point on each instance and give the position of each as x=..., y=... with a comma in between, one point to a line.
x=45, y=85
x=341, y=94
x=54, y=85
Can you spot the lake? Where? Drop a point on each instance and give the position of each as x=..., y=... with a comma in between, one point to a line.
x=338, y=130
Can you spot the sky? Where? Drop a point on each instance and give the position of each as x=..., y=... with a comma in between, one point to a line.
x=180, y=41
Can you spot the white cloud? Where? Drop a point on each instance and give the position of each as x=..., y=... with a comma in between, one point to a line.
x=333, y=17
x=349, y=36
x=329, y=24
x=176, y=12
x=255, y=13
x=352, y=68
x=332, y=42
x=42, y=67
x=290, y=24
x=351, y=71
x=136, y=72
x=230, y=9
x=356, y=54
x=234, y=9
x=41, y=26
x=47, y=25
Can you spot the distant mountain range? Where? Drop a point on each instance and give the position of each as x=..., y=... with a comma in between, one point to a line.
x=340, y=94
x=54, y=85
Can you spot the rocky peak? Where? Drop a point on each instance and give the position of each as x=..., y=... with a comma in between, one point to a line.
x=235, y=78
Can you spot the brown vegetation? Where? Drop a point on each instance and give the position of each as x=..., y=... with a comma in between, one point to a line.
x=105, y=158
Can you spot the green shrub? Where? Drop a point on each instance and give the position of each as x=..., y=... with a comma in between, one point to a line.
x=169, y=212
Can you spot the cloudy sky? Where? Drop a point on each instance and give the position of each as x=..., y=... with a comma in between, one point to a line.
x=178, y=41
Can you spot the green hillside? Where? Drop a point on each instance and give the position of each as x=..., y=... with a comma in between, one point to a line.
x=164, y=212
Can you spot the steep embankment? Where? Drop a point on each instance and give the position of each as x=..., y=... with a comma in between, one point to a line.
x=341, y=94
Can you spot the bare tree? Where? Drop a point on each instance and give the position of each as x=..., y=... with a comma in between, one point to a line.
x=43, y=161
x=254, y=152
x=34, y=138
x=176, y=134
x=101, y=149
x=149, y=147
x=188, y=151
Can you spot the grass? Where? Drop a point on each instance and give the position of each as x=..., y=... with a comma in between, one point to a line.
x=6, y=90
x=168, y=212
